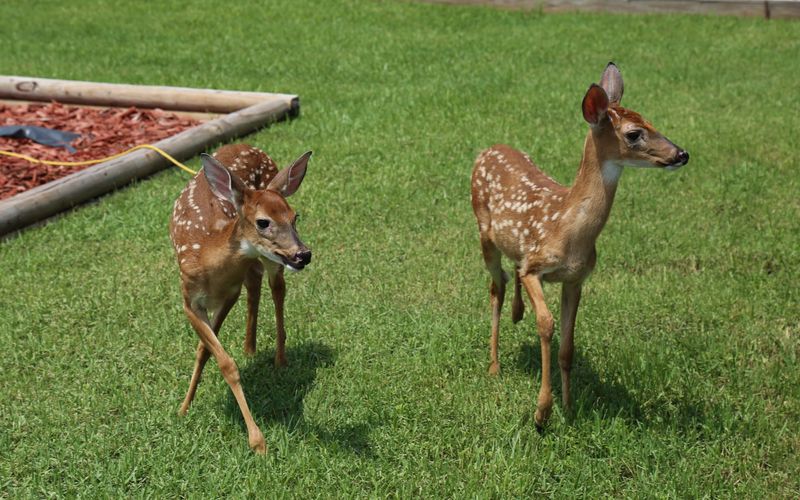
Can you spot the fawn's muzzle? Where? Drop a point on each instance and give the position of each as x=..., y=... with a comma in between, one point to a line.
x=680, y=159
x=301, y=259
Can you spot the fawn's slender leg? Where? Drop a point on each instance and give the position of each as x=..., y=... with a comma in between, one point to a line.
x=497, y=291
x=278, y=287
x=252, y=282
x=517, y=306
x=544, y=322
x=570, y=299
x=230, y=372
x=202, y=354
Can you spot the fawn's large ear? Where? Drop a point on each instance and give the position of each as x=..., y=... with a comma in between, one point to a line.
x=611, y=81
x=595, y=105
x=222, y=183
x=289, y=179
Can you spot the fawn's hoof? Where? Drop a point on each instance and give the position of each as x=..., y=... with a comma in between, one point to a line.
x=184, y=409
x=494, y=369
x=280, y=362
x=258, y=445
x=540, y=418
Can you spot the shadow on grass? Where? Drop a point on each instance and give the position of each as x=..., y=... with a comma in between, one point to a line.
x=275, y=395
x=593, y=397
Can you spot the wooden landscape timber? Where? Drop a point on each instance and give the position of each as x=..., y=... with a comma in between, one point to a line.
x=145, y=96
x=245, y=112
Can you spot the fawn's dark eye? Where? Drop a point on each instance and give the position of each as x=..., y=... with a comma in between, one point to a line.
x=633, y=135
x=262, y=223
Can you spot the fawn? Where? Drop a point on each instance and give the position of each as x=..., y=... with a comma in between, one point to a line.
x=549, y=230
x=229, y=225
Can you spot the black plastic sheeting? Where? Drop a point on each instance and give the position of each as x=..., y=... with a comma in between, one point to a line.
x=42, y=135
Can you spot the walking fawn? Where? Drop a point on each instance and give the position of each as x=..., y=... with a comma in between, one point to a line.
x=229, y=225
x=549, y=230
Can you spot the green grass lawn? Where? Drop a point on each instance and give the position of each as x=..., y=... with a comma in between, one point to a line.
x=687, y=376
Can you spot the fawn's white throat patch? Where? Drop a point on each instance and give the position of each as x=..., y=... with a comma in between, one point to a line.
x=611, y=172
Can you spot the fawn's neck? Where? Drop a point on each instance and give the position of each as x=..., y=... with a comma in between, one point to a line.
x=592, y=194
x=235, y=251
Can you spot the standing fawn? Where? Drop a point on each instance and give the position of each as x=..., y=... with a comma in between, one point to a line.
x=549, y=230
x=229, y=225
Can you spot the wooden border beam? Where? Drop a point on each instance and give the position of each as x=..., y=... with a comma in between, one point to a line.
x=144, y=96
x=248, y=111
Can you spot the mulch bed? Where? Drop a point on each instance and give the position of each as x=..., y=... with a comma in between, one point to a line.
x=104, y=132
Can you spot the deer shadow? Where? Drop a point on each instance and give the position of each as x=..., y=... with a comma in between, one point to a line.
x=276, y=396
x=594, y=396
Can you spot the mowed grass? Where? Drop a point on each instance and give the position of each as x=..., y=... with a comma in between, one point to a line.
x=686, y=382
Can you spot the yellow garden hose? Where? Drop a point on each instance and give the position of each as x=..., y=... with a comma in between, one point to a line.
x=92, y=162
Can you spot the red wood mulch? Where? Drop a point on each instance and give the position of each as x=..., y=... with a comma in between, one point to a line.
x=104, y=132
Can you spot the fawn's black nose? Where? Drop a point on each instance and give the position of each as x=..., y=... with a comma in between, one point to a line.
x=683, y=156
x=303, y=257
